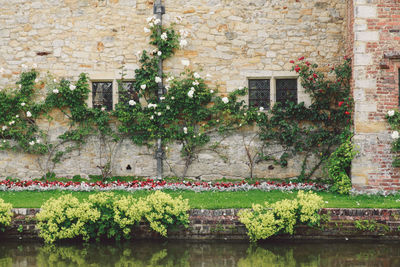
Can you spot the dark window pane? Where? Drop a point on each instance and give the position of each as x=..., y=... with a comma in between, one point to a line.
x=127, y=92
x=259, y=93
x=286, y=90
x=102, y=95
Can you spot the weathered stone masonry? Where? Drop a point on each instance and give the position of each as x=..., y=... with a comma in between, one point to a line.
x=232, y=40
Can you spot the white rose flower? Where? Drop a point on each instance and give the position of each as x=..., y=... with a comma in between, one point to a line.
x=150, y=19
x=162, y=98
x=24, y=67
x=159, y=53
x=395, y=135
x=172, y=97
x=159, y=114
x=157, y=21
x=211, y=91
x=55, y=80
x=390, y=113
x=184, y=130
x=143, y=86
x=38, y=141
x=28, y=114
x=36, y=80
x=241, y=88
x=190, y=94
x=158, y=79
x=164, y=36
x=103, y=109
x=168, y=107
x=4, y=128
x=196, y=75
x=150, y=105
x=146, y=30
x=11, y=122
x=151, y=117
x=151, y=24
x=183, y=43
x=261, y=108
x=132, y=102
x=225, y=100
x=195, y=83
x=16, y=116
x=55, y=91
x=185, y=62
x=20, y=86
x=72, y=87
x=22, y=104
x=31, y=143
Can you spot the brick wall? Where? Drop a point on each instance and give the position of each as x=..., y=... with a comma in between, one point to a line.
x=376, y=36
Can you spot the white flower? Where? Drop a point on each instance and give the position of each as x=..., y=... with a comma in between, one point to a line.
x=211, y=91
x=34, y=65
x=4, y=128
x=1, y=70
x=150, y=105
x=196, y=75
x=16, y=116
x=185, y=62
x=183, y=33
x=183, y=43
x=11, y=122
x=28, y=114
x=185, y=130
x=72, y=87
x=55, y=80
x=162, y=98
x=167, y=87
x=241, y=88
x=32, y=143
x=36, y=80
x=22, y=104
x=38, y=141
x=138, y=53
x=159, y=114
x=390, y=113
x=225, y=100
x=143, y=86
x=146, y=30
x=20, y=86
x=395, y=135
x=245, y=114
x=172, y=98
x=24, y=67
x=190, y=94
x=195, y=83
x=261, y=108
x=168, y=107
x=132, y=102
x=151, y=117
x=159, y=53
x=158, y=79
x=150, y=19
x=151, y=24
x=55, y=91
x=157, y=21
x=178, y=19
x=192, y=89
x=169, y=79
x=164, y=36
x=208, y=75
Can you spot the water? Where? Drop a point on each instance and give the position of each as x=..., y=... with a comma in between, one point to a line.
x=176, y=253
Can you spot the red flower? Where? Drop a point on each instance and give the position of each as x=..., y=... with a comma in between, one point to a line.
x=291, y=61
x=347, y=113
x=341, y=103
x=297, y=68
x=315, y=75
x=308, y=63
x=301, y=58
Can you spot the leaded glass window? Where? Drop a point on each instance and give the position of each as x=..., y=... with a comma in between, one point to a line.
x=127, y=92
x=286, y=90
x=102, y=95
x=259, y=93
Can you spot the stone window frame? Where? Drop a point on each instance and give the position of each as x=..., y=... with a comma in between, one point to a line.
x=302, y=96
x=106, y=77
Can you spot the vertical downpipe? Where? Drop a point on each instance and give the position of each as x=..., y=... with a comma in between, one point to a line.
x=159, y=10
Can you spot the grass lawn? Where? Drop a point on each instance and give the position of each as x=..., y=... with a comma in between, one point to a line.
x=214, y=200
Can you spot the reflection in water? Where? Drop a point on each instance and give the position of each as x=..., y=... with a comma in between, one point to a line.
x=174, y=253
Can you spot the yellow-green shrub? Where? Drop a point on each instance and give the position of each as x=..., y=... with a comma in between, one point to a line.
x=64, y=218
x=267, y=220
x=161, y=211
x=5, y=214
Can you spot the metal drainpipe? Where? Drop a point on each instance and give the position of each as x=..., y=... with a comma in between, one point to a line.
x=159, y=10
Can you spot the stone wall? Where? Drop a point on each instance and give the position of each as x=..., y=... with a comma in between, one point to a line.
x=376, y=91
x=223, y=224
x=231, y=40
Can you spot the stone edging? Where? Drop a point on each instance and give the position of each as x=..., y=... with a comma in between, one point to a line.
x=223, y=224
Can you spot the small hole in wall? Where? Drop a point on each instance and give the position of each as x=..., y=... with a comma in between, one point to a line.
x=271, y=167
x=129, y=167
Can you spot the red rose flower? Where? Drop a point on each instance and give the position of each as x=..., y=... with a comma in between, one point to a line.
x=341, y=103
x=347, y=113
x=301, y=58
x=292, y=61
x=315, y=75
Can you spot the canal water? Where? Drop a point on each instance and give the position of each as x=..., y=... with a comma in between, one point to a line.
x=177, y=253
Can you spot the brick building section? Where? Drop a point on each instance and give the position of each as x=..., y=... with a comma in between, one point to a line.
x=376, y=53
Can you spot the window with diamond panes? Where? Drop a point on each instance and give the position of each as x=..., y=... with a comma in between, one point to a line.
x=127, y=92
x=286, y=90
x=102, y=95
x=259, y=93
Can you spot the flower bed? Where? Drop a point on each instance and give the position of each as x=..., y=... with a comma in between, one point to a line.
x=150, y=184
